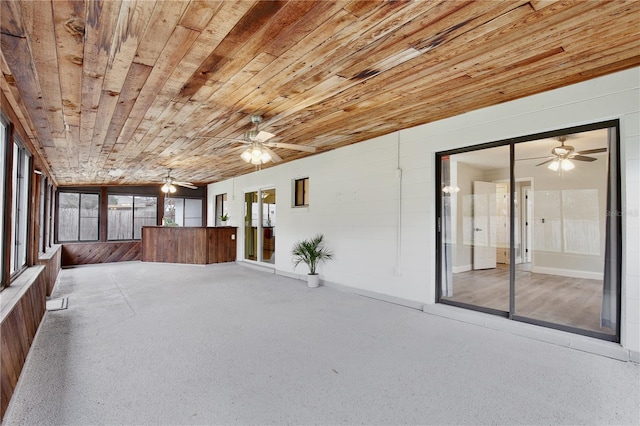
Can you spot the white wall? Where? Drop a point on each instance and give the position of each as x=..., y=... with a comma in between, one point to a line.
x=355, y=191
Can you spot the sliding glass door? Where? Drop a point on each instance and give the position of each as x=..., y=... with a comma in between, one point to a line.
x=260, y=225
x=527, y=230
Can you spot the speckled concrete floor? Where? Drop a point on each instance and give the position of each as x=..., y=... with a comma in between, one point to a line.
x=145, y=343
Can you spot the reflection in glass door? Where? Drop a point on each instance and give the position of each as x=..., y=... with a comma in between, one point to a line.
x=251, y=225
x=536, y=240
x=268, y=198
x=474, y=229
x=260, y=226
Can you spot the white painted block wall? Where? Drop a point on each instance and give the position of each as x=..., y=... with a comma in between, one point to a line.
x=381, y=227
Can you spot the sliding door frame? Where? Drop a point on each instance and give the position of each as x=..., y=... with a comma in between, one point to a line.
x=512, y=142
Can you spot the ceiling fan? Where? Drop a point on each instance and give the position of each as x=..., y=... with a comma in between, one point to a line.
x=169, y=184
x=259, y=149
x=562, y=155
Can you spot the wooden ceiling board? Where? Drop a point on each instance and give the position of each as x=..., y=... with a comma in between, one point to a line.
x=132, y=85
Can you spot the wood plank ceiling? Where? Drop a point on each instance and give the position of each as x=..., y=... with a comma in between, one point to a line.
x=117, y=91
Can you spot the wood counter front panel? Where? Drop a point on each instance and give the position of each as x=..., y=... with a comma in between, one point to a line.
x=222, y=244
x=188, y=244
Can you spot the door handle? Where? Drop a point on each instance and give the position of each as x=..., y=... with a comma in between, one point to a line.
x=478, y=229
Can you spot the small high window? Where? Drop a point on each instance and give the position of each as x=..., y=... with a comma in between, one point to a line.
x=301, y=192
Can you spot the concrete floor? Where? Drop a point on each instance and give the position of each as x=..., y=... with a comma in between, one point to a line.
x=144, y=343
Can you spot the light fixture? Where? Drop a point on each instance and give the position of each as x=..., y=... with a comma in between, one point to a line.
x=256, y=154
x=567, y=165
x=167, y=187
x=561, y=163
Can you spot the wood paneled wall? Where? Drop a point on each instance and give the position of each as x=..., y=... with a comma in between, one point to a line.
x=188, y=244
x=100, y=252
x=20, y=321
x=52, y=261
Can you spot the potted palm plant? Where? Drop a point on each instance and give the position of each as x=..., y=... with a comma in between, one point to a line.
x=224, y=217
x=311, y=251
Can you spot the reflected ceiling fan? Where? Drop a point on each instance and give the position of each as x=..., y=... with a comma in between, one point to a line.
x=259, y=149
x=169, y=184
x=562, y=155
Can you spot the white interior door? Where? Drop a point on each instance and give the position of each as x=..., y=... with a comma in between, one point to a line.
x=484, y=231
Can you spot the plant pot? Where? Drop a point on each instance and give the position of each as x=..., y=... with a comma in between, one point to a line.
x=223, y=223
x=313, y=280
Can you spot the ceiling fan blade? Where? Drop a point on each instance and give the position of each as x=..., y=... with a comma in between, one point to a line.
x=545, y=162
x=186, y=185
x=583, y=158
x=263, y=136
x=592, y=151
x=292, y=146
x=531, y=158
x=274, y=157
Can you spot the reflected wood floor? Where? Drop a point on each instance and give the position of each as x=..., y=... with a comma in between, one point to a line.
x=573, y=302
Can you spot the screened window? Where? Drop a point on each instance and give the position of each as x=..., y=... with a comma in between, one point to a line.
x=182, y=212
x=301, y=192
x=19, y=208
x=3, y=143
x=128, y=214
x=42, y=246
x=78, y=217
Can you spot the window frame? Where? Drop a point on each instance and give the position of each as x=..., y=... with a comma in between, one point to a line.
x=134, y=195
x=20, y=207
x=57, y=216
x=301, y=197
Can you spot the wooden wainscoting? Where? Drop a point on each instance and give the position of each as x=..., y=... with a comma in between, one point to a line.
x=20, y=322
x=52, y=261
x=22, y=308
x=100, y=252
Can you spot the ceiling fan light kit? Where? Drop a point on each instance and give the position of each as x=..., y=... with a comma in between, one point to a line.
x=169, y=184
x=562, y=155
x=168, y=188
x=259, y=150
x=564, y=164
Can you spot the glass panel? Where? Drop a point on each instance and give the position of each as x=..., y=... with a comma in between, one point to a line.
x=475, y=228
x=14, y=204
x=3, y=142
x=169, y=217
x=42, y=200
x=192, y=212
x=68, y=216
x=120, y=217
x=89, y=213
x=561, y=280
x=145, y=213
x=25, y=183
x=251, y=225
x=220, y=208
x=269, y=225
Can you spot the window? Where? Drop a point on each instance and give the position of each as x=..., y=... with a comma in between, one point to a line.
x=301, y=192
x=20, y=206
x=42, y=244
x=221, y=200
x=4, y=128
x=128, y=214
x=182, y=211
x=78, y=217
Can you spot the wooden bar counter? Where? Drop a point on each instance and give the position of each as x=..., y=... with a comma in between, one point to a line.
x=196, y=245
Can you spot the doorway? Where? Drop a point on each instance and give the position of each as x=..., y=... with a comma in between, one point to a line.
x=524, y=231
